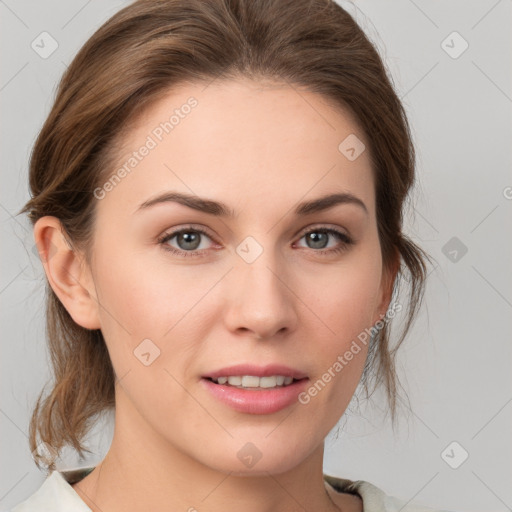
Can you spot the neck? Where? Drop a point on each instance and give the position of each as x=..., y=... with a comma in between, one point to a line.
x=143, y=471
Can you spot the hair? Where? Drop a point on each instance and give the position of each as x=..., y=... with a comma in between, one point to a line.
x=133, y=60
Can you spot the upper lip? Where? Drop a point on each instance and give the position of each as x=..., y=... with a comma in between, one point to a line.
x=258, y=371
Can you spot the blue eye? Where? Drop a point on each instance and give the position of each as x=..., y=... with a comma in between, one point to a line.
x=189, y=238
x=321, y=239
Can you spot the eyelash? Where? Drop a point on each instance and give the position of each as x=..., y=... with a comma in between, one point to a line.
x=345, y=240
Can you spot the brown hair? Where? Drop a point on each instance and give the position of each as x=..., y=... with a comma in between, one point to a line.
x=132, y=61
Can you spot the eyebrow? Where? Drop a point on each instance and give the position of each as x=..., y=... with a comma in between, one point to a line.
x=219, y=209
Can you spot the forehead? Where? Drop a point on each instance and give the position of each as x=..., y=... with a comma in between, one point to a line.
x=241, y=141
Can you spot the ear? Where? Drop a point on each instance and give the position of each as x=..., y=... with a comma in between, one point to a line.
x=67, y=272
x=389, y=274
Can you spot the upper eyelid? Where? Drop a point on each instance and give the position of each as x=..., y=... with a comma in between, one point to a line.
x=322, y=226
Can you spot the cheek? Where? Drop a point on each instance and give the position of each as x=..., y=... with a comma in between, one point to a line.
x=343, y=301
x=144, y=312
x=144, y=294
x=345, y=298
x=131, y=299
x=151, y=299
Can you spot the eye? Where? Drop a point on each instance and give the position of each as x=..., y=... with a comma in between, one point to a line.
x=188, y=240
x=318, y=238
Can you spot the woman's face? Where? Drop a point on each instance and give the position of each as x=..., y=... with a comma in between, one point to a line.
x=263, y=285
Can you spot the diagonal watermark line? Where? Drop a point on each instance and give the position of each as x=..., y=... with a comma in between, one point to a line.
x=485, y=15
x=6, y=415
x=430, y=272
x=14, y=218
x=81, y=491
x=291, y=85
x=492, y=81
x=171, y=328
x=217, y=486
x=3, y=497
x=301, y=300
x=424, y=14
x=426, y=220
x=285, y=490
x=282, y=421
x=508, y=507
x=211, y=81
x=3, y=3
x=484, y=218
x=493, y=287
x=118, y=380
x=419, y=81
x=200, y=404
x=168, y=168
x=506, y=403
x=418, y=492
x=416, y=415
x=14, y=76
x=76, y=14
x=424, y=423
x=13, y=279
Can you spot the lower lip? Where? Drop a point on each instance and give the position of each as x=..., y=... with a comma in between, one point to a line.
x=256, y=401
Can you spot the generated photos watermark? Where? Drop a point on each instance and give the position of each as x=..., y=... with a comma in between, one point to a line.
x=342, y=360
x=152, y=140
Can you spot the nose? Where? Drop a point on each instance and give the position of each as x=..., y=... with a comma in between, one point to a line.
x=261, y=301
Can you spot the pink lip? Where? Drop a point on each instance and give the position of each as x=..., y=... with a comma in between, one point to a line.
x=258, y=371
x=263, y=401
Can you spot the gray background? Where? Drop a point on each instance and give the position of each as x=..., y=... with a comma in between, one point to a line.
x=456, y=362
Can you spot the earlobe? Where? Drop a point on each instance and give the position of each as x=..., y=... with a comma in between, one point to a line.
x=67, y=272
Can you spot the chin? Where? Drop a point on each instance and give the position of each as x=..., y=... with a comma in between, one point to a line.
x=260, y=459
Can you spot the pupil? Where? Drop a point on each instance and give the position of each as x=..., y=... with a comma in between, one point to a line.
x=315, y=236
x=189, y=238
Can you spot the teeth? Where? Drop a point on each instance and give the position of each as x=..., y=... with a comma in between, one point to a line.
x=252, y=381
x=249, y=381
x=235, y=381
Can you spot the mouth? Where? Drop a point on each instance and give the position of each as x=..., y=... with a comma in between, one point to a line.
x=255, y=390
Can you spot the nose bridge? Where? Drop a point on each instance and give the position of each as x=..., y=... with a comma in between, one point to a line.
x=262, y=303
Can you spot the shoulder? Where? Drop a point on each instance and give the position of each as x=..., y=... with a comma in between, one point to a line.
x=56, y=494
x=375, y=499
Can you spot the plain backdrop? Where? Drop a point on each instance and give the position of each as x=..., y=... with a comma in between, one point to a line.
x=450, y=62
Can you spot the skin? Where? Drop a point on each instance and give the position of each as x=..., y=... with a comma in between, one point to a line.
x=261, y=148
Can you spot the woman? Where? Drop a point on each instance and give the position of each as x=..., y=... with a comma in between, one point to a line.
x=217, y=201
